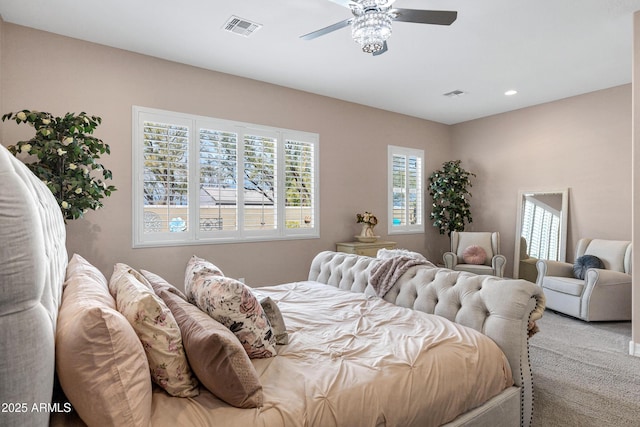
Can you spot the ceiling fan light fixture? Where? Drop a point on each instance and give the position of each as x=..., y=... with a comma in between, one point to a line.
x=370, y=30
x=374, y=3
x=371, y=22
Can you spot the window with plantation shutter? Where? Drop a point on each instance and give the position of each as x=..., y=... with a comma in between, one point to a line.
x=260, y=182
x=218, y=155
x=201, y=180
x=299, y=182
x=164, y=183
x=405, y=178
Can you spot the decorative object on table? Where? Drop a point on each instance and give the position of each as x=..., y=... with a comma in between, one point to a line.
x=64, y=155
x=368, y=221
x=449, y=189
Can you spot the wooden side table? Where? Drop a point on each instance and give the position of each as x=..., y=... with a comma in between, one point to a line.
x=367, y=249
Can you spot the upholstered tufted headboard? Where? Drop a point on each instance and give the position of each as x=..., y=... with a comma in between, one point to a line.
x=33, y=261
x=499, y=308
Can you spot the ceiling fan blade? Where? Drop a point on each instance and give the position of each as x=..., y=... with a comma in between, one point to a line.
x=381, y=51
x=436, y=17
x=327, y=30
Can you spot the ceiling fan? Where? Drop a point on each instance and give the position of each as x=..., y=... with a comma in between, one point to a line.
x=371, y=22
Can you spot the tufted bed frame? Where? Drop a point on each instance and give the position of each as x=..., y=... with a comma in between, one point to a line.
x=499, y=308
x=33, y=261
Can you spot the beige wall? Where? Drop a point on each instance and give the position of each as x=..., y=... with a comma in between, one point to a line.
x=583, y=143
x=42, y=71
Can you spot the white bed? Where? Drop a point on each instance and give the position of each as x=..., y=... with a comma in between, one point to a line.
x=353, y=359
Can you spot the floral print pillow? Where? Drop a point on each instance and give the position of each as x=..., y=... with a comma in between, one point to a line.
x=157, y=330
x=232, y=303
x=197, y=267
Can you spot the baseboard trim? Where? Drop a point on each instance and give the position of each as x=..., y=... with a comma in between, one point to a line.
x=634, y=349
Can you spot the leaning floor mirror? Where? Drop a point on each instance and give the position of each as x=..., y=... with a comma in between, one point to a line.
x=541, y=230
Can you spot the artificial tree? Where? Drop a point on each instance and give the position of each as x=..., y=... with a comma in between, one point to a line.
x=449, y=188
x=64, y=155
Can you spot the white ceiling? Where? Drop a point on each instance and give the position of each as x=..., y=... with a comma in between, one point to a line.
x=545, y=49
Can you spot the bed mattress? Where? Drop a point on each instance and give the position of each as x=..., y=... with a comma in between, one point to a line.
x=356, y=360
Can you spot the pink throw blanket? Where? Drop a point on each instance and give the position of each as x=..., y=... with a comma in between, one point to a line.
x=387, y=272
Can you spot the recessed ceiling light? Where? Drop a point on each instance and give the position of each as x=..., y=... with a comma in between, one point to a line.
x=511, y=92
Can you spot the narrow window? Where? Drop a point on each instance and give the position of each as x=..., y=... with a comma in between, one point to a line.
x=299, y=177
x=405, y=182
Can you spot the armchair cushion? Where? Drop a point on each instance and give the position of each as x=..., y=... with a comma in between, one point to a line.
x=566, y=285
x=474, y=254
x=584, y=263
x=615, y=254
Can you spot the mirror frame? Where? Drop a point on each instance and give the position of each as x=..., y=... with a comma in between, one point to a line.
x=563, y=225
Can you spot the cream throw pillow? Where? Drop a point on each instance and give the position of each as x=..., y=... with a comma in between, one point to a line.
x=157, y=330
x=100, y=361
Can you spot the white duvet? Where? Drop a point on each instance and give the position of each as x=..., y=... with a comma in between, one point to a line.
x=354, y=360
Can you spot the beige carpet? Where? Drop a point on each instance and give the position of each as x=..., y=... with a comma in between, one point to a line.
x=583, y=374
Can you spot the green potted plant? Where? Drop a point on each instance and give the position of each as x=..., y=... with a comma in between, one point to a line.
x=64, y=155
x=449, y=189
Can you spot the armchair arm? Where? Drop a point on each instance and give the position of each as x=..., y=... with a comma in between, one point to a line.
x=553, y=268
x=604, y=290
x=498, y=262
x=601, y=277
x=450, y=260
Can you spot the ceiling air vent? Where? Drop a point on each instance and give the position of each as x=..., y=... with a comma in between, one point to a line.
x=454, y=94
x=241, y=26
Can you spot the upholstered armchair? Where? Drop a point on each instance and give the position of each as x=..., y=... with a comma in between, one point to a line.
x=467, y=249
x=527, y=267
x=602, y=293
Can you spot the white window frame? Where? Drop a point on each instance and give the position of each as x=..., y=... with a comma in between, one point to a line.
x=194, y=235
x=405, y=228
